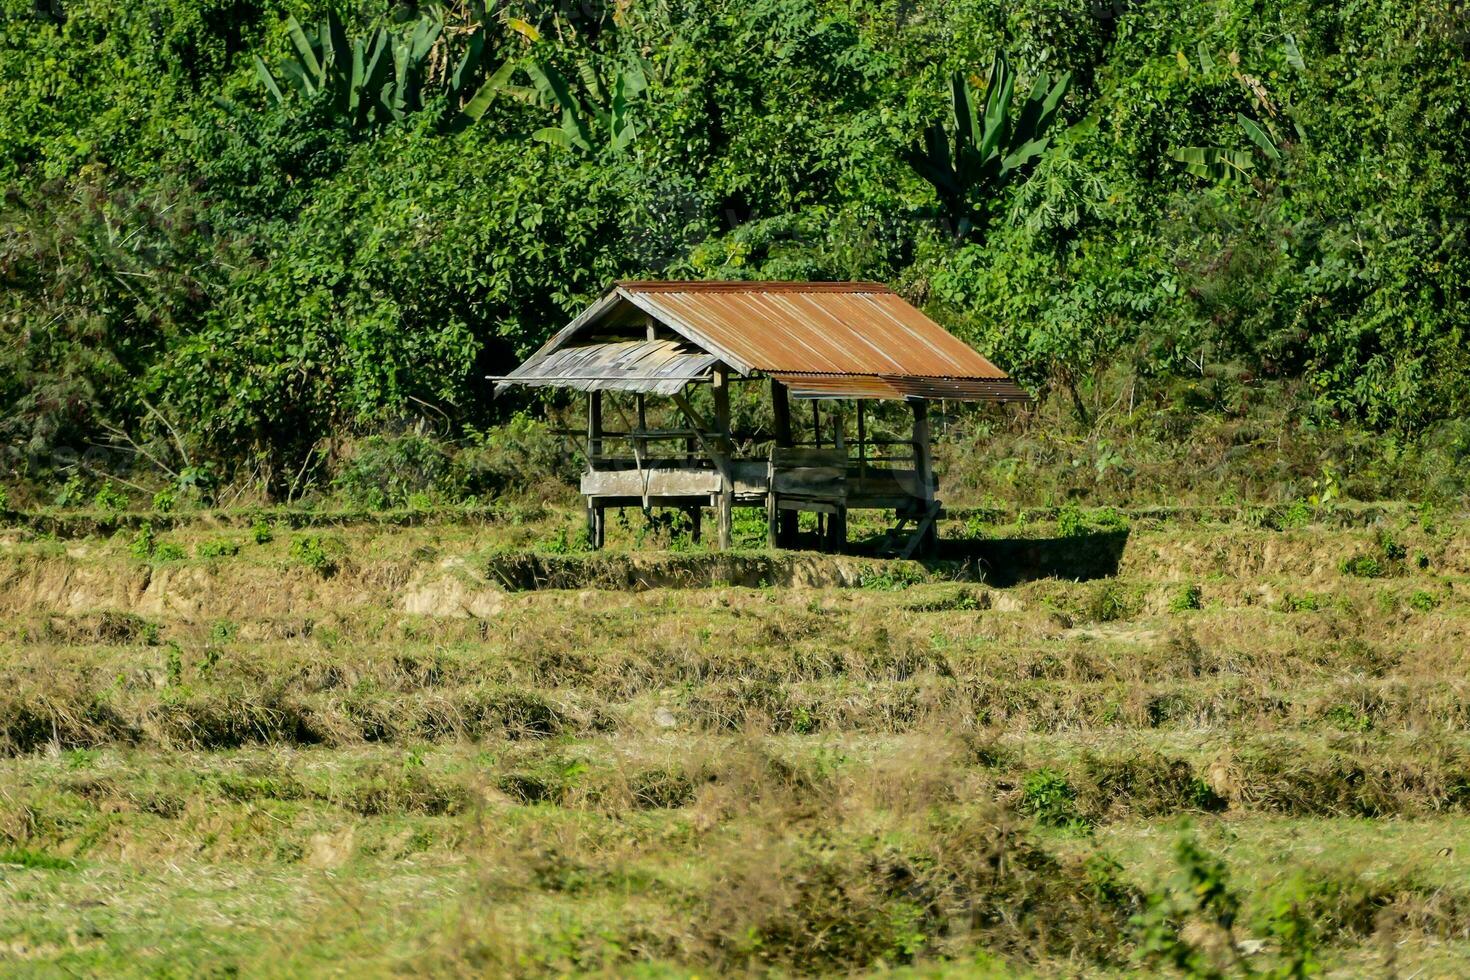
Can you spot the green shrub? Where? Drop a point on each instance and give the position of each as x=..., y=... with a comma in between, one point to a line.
x=4, y=501
x=223, y=548
x=1306, y=602
x=142, y=545
x=1423, y=601
x=1362, y=566
x=1047, y=796
x=72, y=492
x=109, y=498
x=1189, y=596
x=564, y=542
x=260, y=532
x=522, y=454
x=894, y=577
x=389, y=471
x=1392, y=550
x=167, y=551
x=1298, y=514
x=312, y=551
x=1348, y=718
x=1070, y=523
x=164, y=501
x=1109, y=603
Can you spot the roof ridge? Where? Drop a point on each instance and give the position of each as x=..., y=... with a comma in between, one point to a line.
x=750, y=285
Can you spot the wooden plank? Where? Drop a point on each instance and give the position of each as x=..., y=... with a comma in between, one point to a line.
x=651, y=483
x=811, y=481
x=783, y=458
x=750, y=476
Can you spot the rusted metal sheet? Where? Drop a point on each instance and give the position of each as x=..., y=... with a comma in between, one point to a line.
x=822, y=328
x=823, y=339
x=660, y=367
x=899, y=387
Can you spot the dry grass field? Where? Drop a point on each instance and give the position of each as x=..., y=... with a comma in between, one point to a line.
x=1094, y=743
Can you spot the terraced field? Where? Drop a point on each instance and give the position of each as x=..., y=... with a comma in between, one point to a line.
x=1225, y=741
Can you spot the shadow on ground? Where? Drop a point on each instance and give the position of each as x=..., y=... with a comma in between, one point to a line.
x=995, y=561
x=1010, y=561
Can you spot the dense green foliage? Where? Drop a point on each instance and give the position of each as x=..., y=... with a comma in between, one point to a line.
x=220, y=282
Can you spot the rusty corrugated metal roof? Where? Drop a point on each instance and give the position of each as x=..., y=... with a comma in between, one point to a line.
x=833, y=339
x=813, y=328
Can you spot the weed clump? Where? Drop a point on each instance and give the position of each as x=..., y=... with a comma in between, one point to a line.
x=1422, y=601
x=315, y=553
x=1362, y=566
x=1050, y=798
x=1188, y=597
x=217, y=549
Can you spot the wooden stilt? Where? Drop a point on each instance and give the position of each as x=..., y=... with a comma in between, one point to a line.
x=836, y=536
x=785, y=520
x=594, y=429
x=924, y=474
x=595, y=530
x=726, y=503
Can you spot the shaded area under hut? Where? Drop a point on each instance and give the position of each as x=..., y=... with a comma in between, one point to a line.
x=679, y=349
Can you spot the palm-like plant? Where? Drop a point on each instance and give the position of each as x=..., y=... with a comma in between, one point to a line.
x=597, y=119
x=986, y=145
x=381, y=77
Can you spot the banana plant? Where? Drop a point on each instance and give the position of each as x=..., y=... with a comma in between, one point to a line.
x=381, y=77
x=598, y=118
x=986, y=145
x=1224, y=164
x=1218, y=163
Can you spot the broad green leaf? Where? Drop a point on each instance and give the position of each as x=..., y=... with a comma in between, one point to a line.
x=266, y=79
x=1258, y=136
x=485, y=94
x=1206, y=61
x=308, y=57
x=1294, y=54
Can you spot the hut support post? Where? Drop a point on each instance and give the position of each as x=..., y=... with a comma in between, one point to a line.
x=596, y=524
x=782, y=531
x=726, y=504
x=837, y=521
x=924, y=471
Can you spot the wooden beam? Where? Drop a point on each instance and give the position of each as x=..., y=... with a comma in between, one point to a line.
x=594, y=427
x=782, y=534
x=725, y=500
x=781, y=410
x=924, y=470
x=725, y=511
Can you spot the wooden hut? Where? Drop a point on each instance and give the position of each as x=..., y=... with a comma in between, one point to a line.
x=838, y=342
